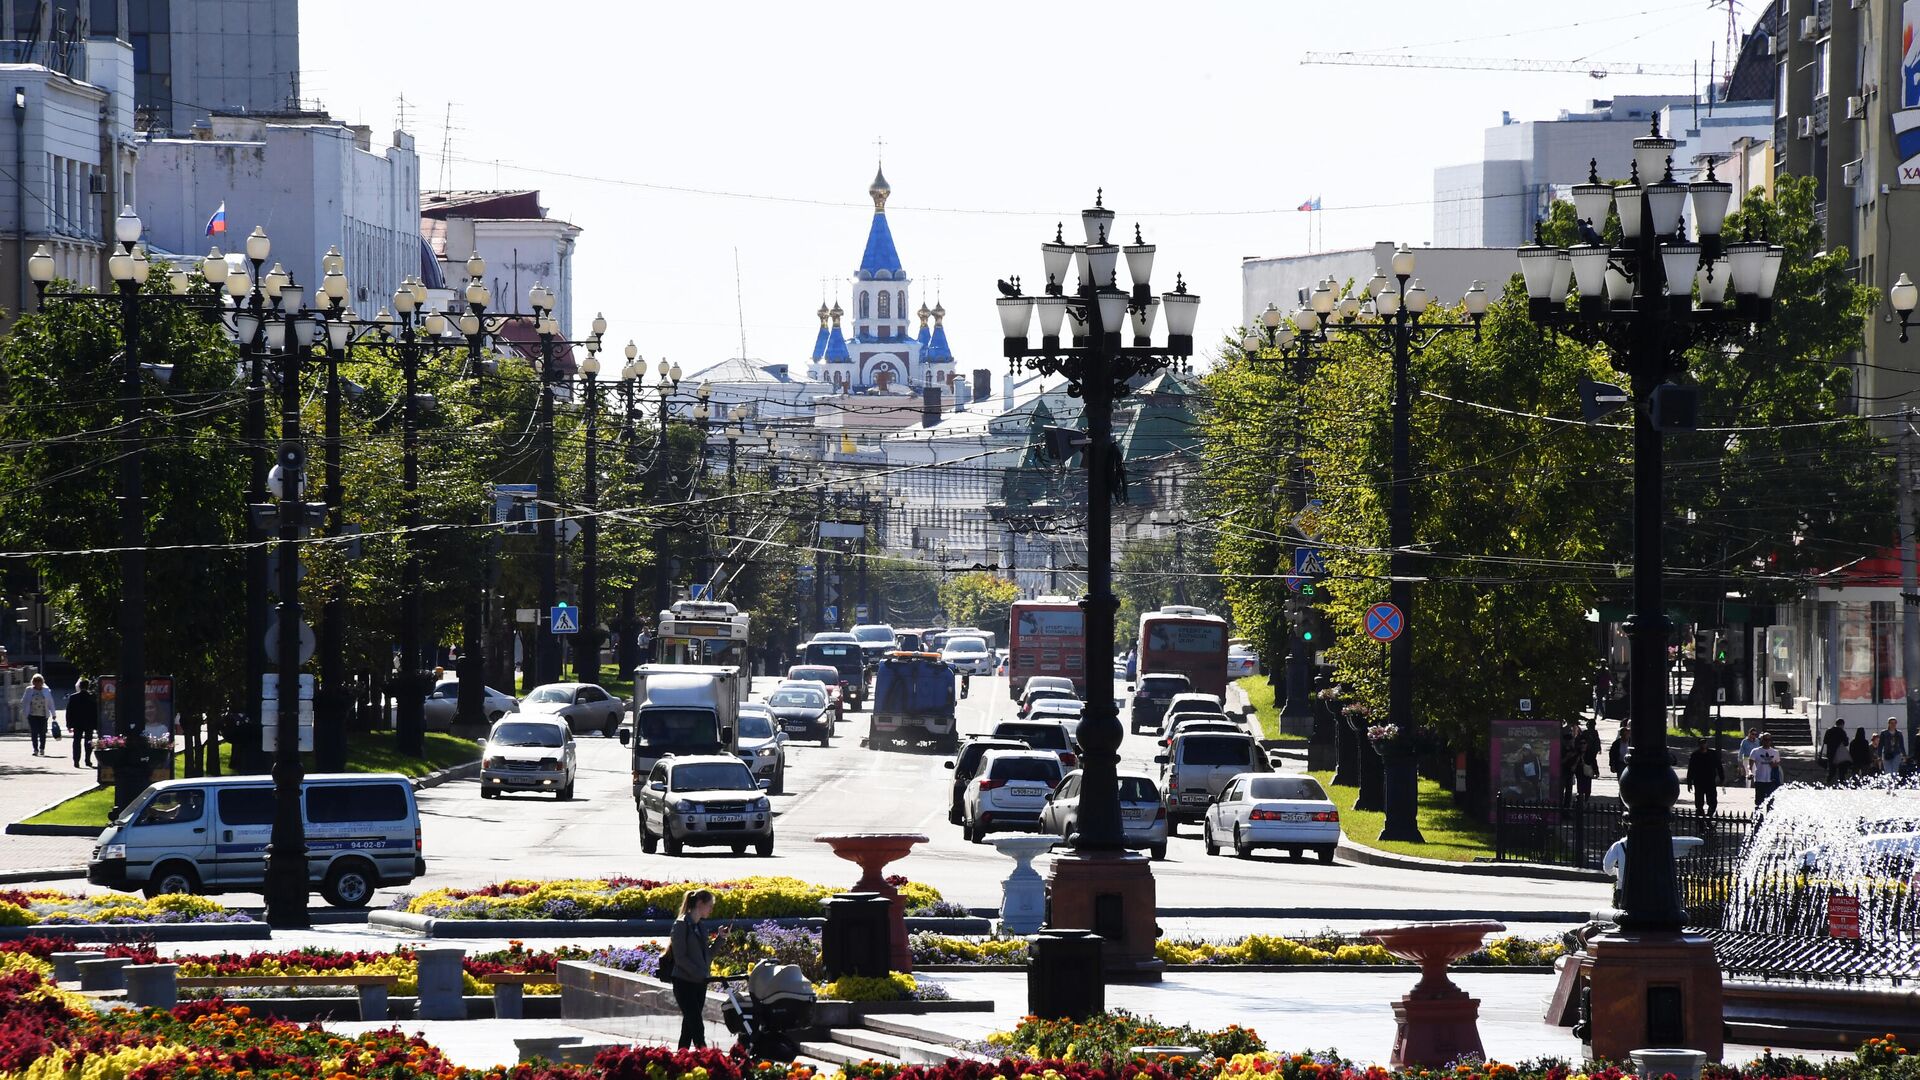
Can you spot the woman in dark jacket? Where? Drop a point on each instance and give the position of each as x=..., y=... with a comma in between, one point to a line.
x=1860, y=753
x=692, y=948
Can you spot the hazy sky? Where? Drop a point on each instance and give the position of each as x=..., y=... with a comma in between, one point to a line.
x=675, y=134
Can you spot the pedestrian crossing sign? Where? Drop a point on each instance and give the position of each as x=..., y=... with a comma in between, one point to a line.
x=564, y=620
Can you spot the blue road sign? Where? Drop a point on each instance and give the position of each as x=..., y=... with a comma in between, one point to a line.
x=1384, y=622
x=1309, y=562
x=564, y=620
x=833, y=613
x=699, y=592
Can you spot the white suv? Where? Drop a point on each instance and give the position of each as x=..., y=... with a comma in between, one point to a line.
x=535, y=754
x=970, y=655
x=1009, y=792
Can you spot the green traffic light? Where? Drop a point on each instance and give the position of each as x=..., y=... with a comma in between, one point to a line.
x=1306, y=635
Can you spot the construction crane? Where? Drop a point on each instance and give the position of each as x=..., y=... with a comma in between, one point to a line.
x=1470, y=63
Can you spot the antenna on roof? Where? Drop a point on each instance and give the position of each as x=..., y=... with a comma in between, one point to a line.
x=446, y=150
x=739, y=308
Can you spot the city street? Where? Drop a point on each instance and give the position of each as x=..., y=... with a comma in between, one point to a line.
x=843, y=788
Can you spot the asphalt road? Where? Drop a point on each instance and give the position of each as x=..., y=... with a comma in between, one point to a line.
x=843, y=788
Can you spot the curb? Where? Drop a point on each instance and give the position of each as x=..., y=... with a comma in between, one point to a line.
x=21, y=828
x=121, y=932
x=1376, y=857
x=431, y=926
x=456, y=772
x=45, y=873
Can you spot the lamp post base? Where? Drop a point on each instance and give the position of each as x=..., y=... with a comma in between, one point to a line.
x=1652, y=988
x=1111, y=894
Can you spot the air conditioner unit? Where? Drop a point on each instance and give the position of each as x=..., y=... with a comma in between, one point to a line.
x=1804, y=126
x=1856, y=108
x=96, y=183
x=1809, y=28
x=1850, y=174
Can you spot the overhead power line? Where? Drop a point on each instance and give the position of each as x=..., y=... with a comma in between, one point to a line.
x=1593, y=68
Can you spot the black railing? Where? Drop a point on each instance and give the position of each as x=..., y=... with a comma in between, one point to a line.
x=1580, y=835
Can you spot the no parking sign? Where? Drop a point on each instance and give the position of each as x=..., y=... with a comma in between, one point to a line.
x=1384, y=622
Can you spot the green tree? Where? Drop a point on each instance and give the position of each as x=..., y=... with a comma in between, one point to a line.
x=979, y=600
x=1150, y=574
x=61, y=423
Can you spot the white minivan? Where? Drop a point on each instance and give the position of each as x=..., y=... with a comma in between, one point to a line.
x=210, y=835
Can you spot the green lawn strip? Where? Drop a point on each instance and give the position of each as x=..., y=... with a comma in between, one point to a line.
x=367, y=751
x=1260, y=695
x=611, y=681
x=1451, y=834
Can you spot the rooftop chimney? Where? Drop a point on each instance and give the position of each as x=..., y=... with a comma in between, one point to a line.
x=930, y=407
x=982, y=383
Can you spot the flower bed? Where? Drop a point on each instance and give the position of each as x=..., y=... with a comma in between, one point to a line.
x=52, y=907
x=1112, y=1036
x=638, y=898
x=1510, y=951
x=400, y=962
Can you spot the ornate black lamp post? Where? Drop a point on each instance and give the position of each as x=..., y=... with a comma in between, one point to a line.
x=1648, y=302
x=1394, y=313
x=1100, y=886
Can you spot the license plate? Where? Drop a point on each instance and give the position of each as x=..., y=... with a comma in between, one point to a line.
x=726, y=819
x=1135, y=815
x=1193, y=798
x=795, y=725
x=1293, y=816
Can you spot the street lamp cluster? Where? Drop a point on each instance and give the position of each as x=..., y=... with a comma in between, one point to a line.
x=1098, y=365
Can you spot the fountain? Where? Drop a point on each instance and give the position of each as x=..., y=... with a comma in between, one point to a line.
x=1437, y=1022
x=872, y=852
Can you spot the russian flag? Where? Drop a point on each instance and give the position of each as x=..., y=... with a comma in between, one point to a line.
x=1310, y=204
x=218, y=222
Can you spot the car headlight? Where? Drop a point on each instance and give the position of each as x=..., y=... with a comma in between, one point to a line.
x=684, y=806
x=491, y=763
x=113, y=851
x=766, y=751
x=761, y=804
x=549, y=765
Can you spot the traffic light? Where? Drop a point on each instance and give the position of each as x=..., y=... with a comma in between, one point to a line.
x=33, y=615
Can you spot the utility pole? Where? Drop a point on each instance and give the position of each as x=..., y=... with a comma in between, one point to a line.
x=1909, y=577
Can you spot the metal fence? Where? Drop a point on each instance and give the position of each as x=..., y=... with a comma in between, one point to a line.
x=1580, y=834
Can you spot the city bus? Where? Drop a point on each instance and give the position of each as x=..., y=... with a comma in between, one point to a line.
x=1185, y=641
x=702, y=632
x=1046, y=635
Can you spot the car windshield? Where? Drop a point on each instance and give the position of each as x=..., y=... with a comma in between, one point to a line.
x=966, y=645
x=1046, y=693
x=798, y=697
x=448, y=689
x=873, y=633
x=712, y=776
x=815, y=674
x=1026, y=768
x=755, y=726
x=677, y=727
x=520, y=733
x=1216, y=750
x=561, y=694
x=833, y=650
x=1159, y=685
x=1138, y=789
x=1286, y=787
x=1038, y=736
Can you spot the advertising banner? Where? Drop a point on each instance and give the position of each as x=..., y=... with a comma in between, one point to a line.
x=1906, y=119
x=1525, y=756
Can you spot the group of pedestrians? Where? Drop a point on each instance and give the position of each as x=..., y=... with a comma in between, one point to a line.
x=43, y=719
x=1580, y=760
x=1847, y=757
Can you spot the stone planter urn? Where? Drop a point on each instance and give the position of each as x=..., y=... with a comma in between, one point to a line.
x=1023, y=894
x=1437, y=1022
x=872, y=852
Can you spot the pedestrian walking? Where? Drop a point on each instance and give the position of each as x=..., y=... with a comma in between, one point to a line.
x=1602, y=690
x=1860, y=753
x=1833, y=749
x=1889, y=744
x=1586, y=754
x=1569, y=760
x=1705, y=774
x=1617, y=753
x=83, y=719
x=1766, y=770
x=1747, y=746
x=37, y=705
x=690, y=948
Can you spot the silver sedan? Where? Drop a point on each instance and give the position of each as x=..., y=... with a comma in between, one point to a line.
x=584, y=706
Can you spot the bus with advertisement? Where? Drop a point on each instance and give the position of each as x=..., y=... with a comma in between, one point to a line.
x=1046, y=635
x=1186, y=641
x=702, y=632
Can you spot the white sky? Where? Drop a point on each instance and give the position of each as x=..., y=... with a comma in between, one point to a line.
x=998, y=121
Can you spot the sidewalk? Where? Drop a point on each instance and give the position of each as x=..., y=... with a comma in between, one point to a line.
x=29, y=785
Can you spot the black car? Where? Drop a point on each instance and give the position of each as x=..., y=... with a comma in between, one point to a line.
x=1150, y=701
x=966, y=763
x=803, y=711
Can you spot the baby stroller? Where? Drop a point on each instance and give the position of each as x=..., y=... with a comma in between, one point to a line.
x=779, y=1001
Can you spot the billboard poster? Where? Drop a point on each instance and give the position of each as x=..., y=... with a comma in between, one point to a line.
x=159, y=705
x=1906, y=119
x=1525, y=757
